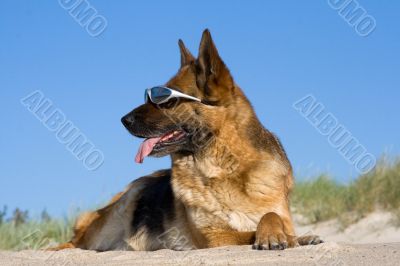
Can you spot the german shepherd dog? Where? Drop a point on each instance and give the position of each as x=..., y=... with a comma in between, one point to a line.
x=230, y=178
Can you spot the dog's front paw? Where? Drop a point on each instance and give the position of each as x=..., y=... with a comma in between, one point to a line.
x=275, y=241
x=270, y=234
x=309, y=240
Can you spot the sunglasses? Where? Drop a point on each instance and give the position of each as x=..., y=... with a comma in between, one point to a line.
x=160, y=95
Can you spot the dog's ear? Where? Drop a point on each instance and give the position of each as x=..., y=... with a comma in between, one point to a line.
x=213, y=77
x=186, y=55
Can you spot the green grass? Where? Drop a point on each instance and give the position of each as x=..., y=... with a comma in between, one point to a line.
x=34, y=234
x=317, y=200
x=323, y=199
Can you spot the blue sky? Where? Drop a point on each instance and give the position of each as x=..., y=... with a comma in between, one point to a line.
x=278, y=52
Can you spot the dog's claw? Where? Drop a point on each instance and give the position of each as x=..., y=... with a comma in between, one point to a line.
x=284, y=245
x=260, y=247
x=275, y=246
x=272, y=246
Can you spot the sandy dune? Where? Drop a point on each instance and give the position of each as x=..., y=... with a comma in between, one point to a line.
x=375, y=228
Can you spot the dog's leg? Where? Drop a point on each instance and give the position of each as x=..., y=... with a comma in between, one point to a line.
x=228, y=238
x=273, y=233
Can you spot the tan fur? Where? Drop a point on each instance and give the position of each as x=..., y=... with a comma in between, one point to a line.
x=233, y=191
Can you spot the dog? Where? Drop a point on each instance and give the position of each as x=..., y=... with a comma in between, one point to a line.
x=230, y=179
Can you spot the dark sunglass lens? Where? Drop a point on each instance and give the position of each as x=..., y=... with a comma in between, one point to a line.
x=159, y=94
x=171, y=103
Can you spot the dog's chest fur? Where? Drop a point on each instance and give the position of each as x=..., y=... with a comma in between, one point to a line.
x=217, y=198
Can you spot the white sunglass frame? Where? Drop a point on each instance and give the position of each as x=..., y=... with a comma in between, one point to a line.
x=174, y=94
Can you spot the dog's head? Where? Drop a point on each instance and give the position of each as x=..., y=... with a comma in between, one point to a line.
x=182, y=125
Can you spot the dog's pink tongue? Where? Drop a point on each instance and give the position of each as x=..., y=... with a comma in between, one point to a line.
x=145, y=149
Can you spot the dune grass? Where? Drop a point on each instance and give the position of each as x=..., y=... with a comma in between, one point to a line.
x=323, y=198
x=317, y=200
x=34, y=234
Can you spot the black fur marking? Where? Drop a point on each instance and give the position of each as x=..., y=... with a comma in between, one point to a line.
x=155, y=205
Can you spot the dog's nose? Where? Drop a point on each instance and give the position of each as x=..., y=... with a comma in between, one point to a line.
x=128, y=120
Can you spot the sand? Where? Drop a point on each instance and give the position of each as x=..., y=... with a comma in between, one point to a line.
x=326, y=254
x=371, y=241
